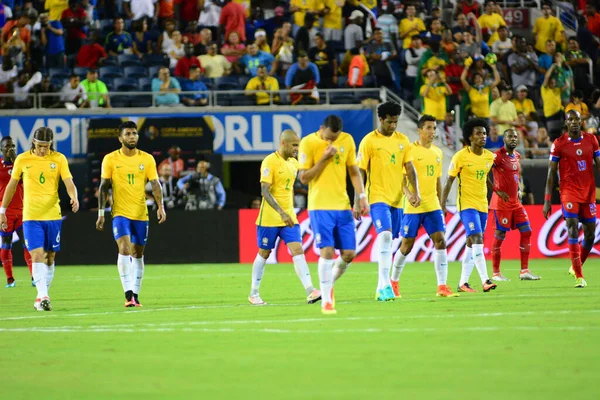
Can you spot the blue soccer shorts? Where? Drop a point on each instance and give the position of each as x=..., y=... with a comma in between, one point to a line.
x=42, y=234
x=136, y=230
x=432, y=221
x=333, y=228
x=474, y=221
x=386, y=218
x=266, y=236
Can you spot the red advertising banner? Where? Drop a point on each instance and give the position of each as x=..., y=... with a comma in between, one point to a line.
x=549, y=238
x=517, y=17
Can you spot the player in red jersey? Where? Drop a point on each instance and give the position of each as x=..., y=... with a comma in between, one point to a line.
x=572, y=155
x=509, y=213
x=14, y=214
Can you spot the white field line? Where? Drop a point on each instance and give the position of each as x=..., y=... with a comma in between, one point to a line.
x=165, y=325
x=229, y=306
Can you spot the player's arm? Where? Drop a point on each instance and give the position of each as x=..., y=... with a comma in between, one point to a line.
x=72, y=191
x=9, y=193
x=550, y=180
x=411, y=175
x=307, y=175
x=361, y=206
x=265, y=190
x=158, y=198
x=446, y=191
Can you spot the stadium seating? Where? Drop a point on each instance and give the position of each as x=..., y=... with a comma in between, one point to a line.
x=59, y=73
x=129, y=60
x=145, y=84
x=153, y=71
x=227, y=83
x=125, y=84
x=135, y=72
x=110, y=72
x=81, y=72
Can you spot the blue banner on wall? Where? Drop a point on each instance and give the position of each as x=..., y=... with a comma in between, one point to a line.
x=235, y=133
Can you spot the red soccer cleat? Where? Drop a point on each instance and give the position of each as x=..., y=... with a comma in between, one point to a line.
x=396, y=289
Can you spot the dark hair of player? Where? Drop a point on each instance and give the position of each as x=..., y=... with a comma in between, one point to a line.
x=389, y=108
x=470, y=125
x=334, y=123
x=5, y=138
x=425, y=118
x=43, y=134
x=127, y=125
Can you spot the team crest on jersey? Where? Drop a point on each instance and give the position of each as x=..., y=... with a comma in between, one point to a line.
x=569, y=206
x=405, y=229
x=10, y=171
x=471, y=226
x=579, y=152
x=141, y=167
x=52, y=166
x=504, y=221
x=265, y=241
x=115, y=230
x=487, y=165
x=495, y=155
x=378, y=224
x=439, y=160
x=318, y=238
x=515, y=167
x=341, y=149
x=266, y=171
x=401, y=147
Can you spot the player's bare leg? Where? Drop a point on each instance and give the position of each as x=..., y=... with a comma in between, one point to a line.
x=26, y=254
x=137, y=262
x=125, y=267
x=499, y=237
x=384, y=286
x=258, y=270
x=41, y=274
x=301, y=268
x=524, y=247
x=467, y=268
x=7, y=260
x=480, y=264
x=342, y=263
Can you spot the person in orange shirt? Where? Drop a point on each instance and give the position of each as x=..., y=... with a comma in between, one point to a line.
x=578, y=105
x=17, y=27
x=356, y=72
x=166, y=10
x=593, y=19
x=174, y=161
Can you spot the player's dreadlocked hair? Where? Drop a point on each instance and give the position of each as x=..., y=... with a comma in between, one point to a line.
x=390, y=108
x=470, y=125
x=43, y=134
x=127, y=125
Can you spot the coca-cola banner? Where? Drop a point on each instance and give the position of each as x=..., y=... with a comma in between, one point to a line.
x=549, y=238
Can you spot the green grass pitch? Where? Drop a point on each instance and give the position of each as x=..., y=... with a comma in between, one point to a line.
x=196, y=337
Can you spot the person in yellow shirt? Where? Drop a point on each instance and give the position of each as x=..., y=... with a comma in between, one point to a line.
x=127, y=170
x=547, y=27
x=326, y=158
x=503, y=111
x=578, y=105
x=479, y=94
x=332, y=19
x=434, y=94
x=40, y=169
x=382, y=157
x=491, y=21
x=428, y=165
x=471, y=166
x=410, y=26
x=55, y=8
x=299, y=8
x=277, y=218
x=552, y=102
x=265, y=84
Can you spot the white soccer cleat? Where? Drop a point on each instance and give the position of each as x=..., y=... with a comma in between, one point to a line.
x=256, y=300
x=37, y=306
x=528, y=276
x=314, y=296
x=500, y=278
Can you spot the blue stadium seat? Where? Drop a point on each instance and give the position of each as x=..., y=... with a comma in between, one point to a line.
x=227, y=83
x=209, y=82
x=106, y=26
x=129, y=60
x=109, y=82
x=223, y=99
x=59, y=81
x=241, y=100
x=369, y=81
x=156, y=59
x=136, y=72
x=153, y=71
x=110, y=72
x=119, y=101
x=336, y=45
x=143, y=101
x=342, y=98
x=342, y=80
x=110, y=61
x=243, y=81
x=125, y=84
x=182, y=81
x=145, y=84
x=371, y=94
x=80, y=72
x=59, y=73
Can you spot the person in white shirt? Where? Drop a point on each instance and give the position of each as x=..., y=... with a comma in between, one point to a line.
x=22, y=88
x=412, y=56
x=210, y=13
x=8, y=14
x=136, y=9
x=74, y=93
x=353, y=34
x=176, y=50
x=504, y=44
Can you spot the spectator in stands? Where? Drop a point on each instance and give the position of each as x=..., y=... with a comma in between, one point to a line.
x=434, y=93
x=174, y=160
x=462, y=25
x=277, y=21
x=166, y=11
x=91, y=55
x=194, y=84
x=522, y=130
x=233, y=49
x=448, y=43
x=303, y=75
x=435, y=31
x=23, y=86
x=191, y=34
x=542, y=144
x=324, y=58
x=205, y=41
x=503, y=111
x=265, y=84
x=55, y=8
x=16, y=37
x=564, y=78
x=165, y=88
x=503, y=44
x=118, y=41
x=593, y=18
x=494, y=141
x=306, y=34
x=260, y=40
x=182, y=69
x=547, y=59
x=410, y=26
x=52, y=37
x=74, y=93
x=300, y=9
x=389, y=26
x=186, y=11
x=578, y=105
x=471, y=46
x=551, y=98
x=74, y=20
x=547, y=27
x=204, y=190
x=332, y=20
x=215, y=65
x=255, y=203
x=8, y=73
x=446, y=131
x=138, y=9
x=413, y=56
x=523, y=66
x=172, y=195
x=255, y=57
x=357, y=69
x=255, y=22
x=479, y=93
x=165, y=40
x=96, y=90
x=176, y=50
x=232, y=19
x=580, y=64
x=466, y=7
x=6, y=14
x=283, y=48
x=378, y=53
x=525, y=105
x=300, y=194
x=490, y=21
x=453, y=72
x=46, y=87
x=353, y=33
x=209, y=15
x=142, y=39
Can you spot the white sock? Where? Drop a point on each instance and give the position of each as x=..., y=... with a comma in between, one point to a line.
x=125, y=271
x=339, y=268
x=40, y=274
x=467, y=266
x=479, y=259
x=399, y=262
x=325, y=279
x=138, y=273
x=258, y=270
x=385, y=259
x=303, y=272
x=440, y=262
x=50, y=276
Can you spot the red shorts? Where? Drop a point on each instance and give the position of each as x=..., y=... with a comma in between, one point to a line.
x=511, y=219
x=585, y=212
x=14, y=221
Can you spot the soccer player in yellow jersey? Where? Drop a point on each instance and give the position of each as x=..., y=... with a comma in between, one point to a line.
x=326, y=157
x=428, y=164
x=471, y=166
x=277, y=217
x=382, y=156
x=40, y=169
x=127, y=170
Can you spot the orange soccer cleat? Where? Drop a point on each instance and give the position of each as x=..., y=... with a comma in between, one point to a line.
x=328, y=309
x=444, y=291
x=488, y=285
x=396, y=289
x=466, y=288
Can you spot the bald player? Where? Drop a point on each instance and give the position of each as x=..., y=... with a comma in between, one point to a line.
x=277, y=218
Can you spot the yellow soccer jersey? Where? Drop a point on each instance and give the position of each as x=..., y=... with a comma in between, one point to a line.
x=383, y=158
x=492, y=22
x=328, y=190
x=428, y=163
x=129, y=176
x=471, y=171
x=40, y=177
x=281, y=175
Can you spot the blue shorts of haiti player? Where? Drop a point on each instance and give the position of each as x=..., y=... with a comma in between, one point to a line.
x=136, y=230
x=333, y=228
x=386, y=218
x=474, y=221
x=266, y=236
x=432, y=221
x=42, y=234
